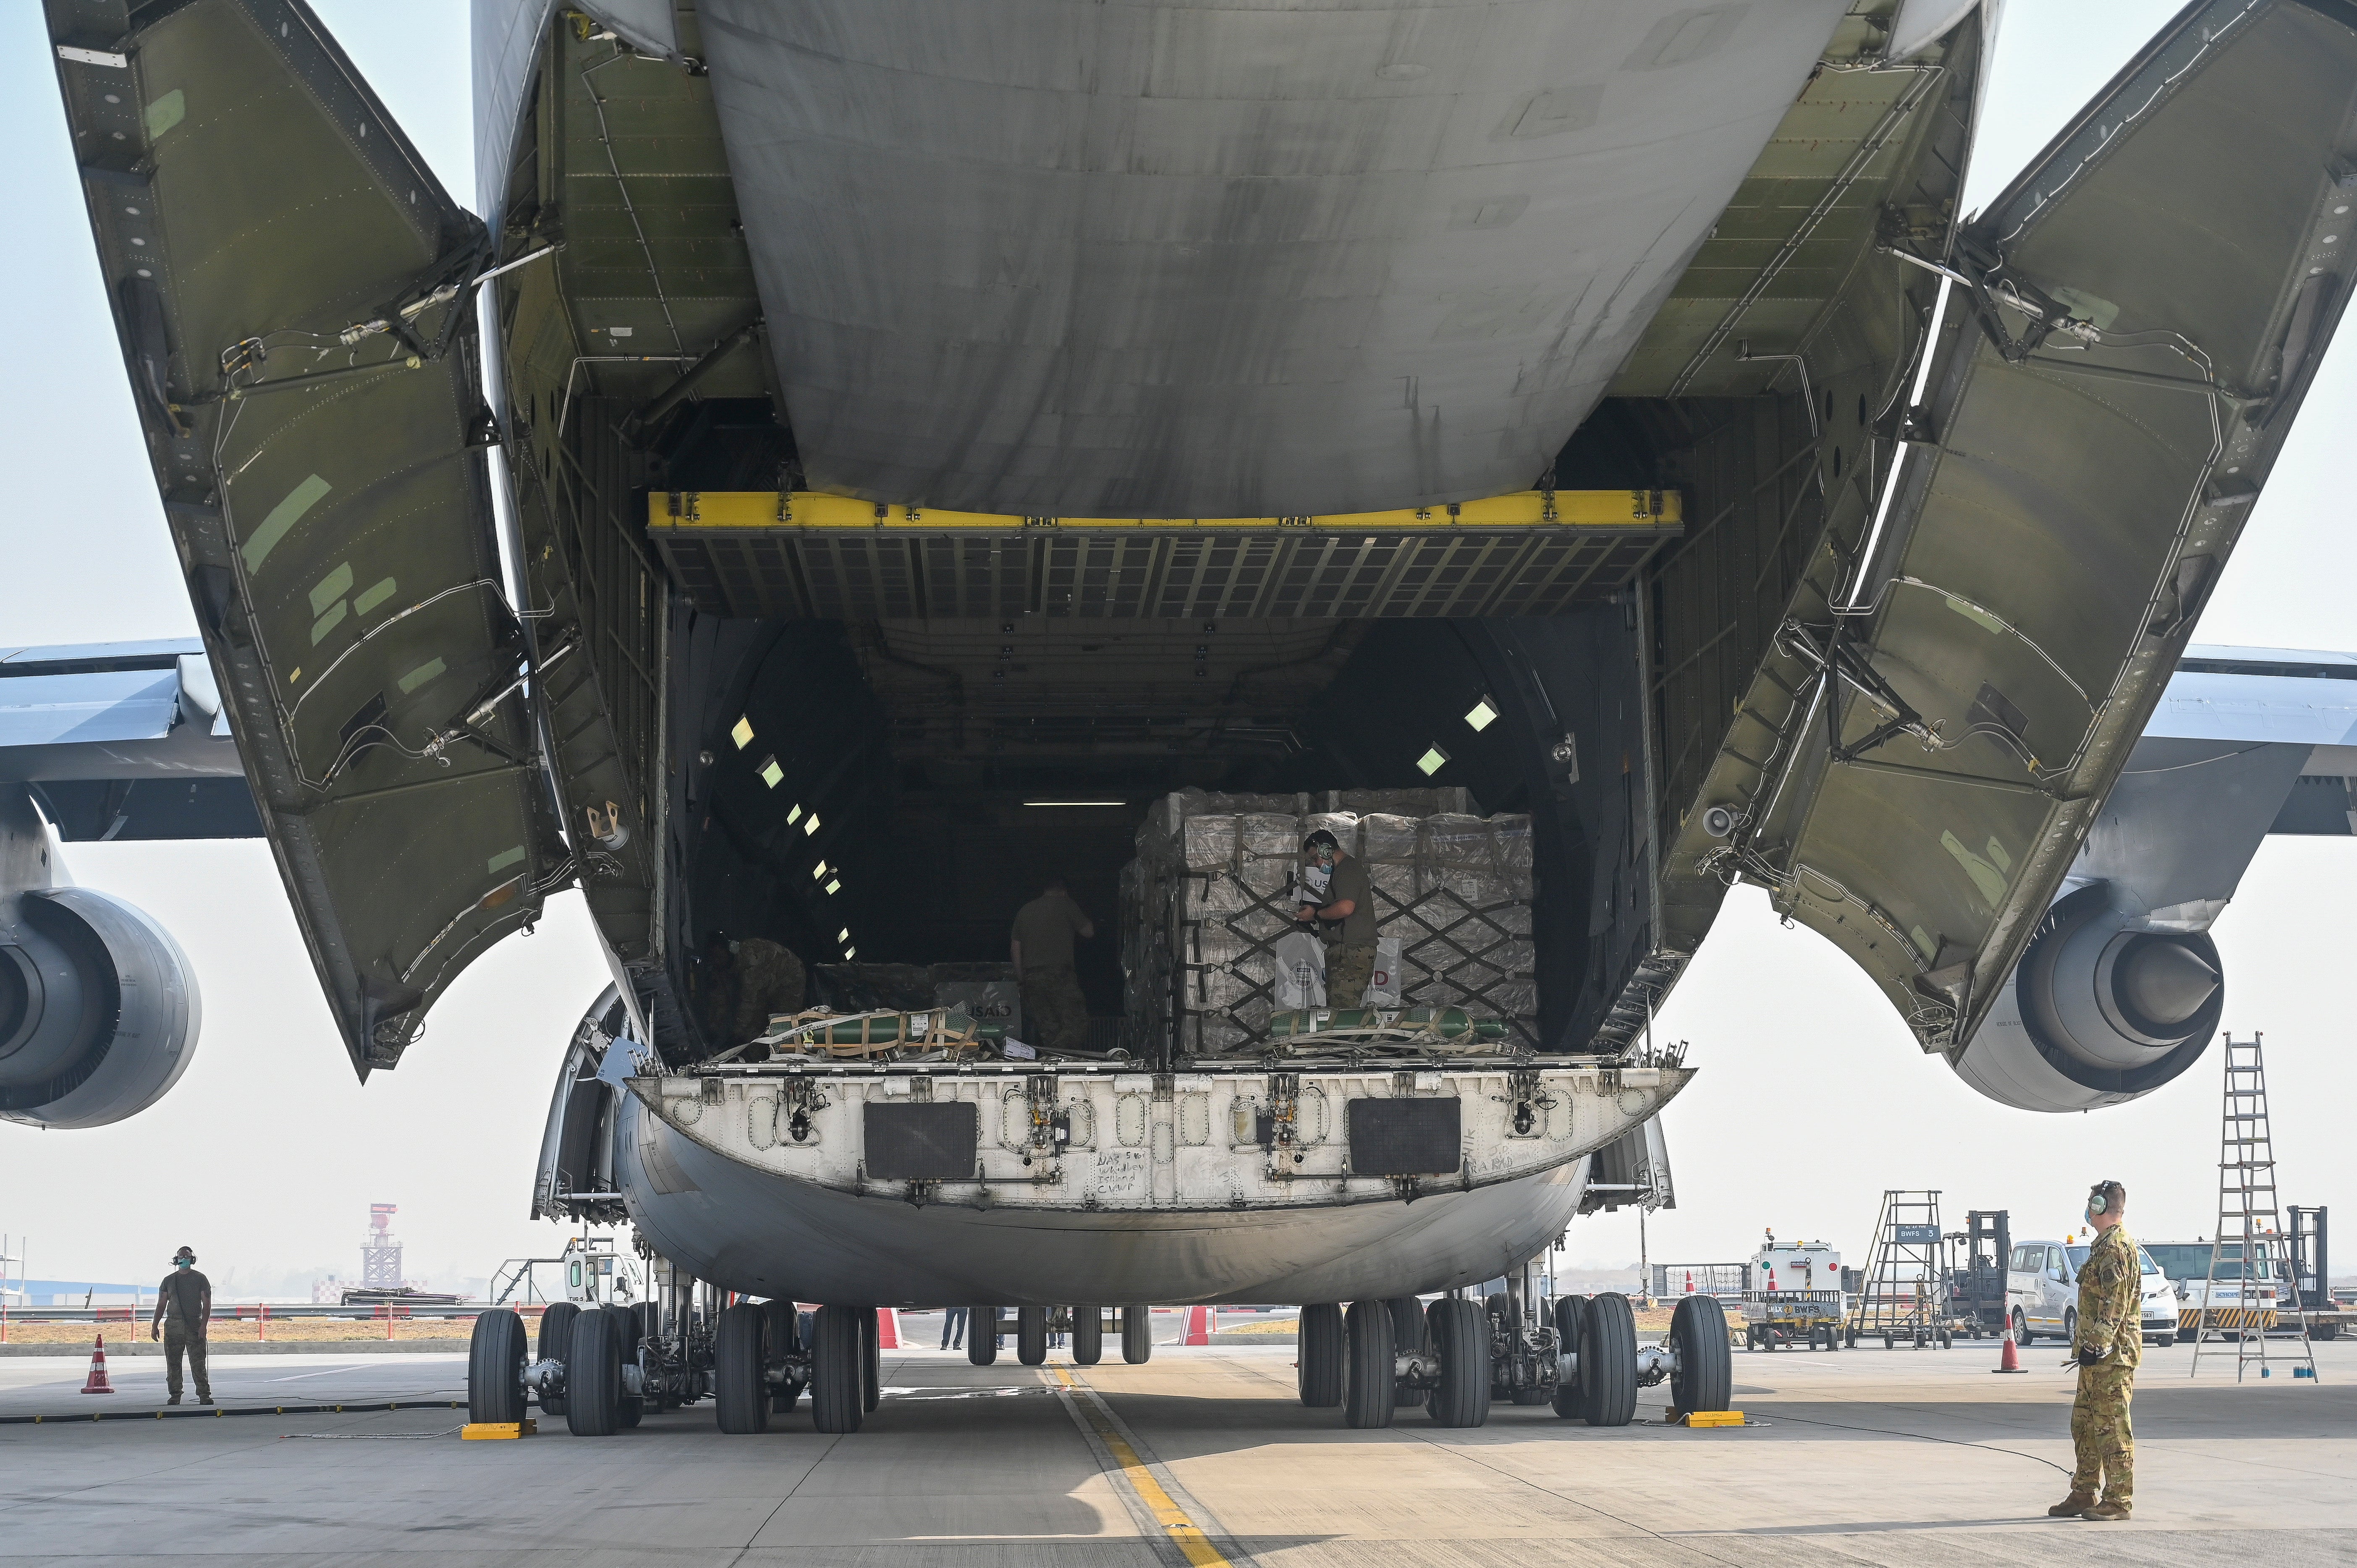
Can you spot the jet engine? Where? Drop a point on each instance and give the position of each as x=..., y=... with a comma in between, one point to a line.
x=2101, y=1009
x=99, y=1011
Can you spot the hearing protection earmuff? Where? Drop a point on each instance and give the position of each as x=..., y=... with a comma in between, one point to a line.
x=2096, y=1202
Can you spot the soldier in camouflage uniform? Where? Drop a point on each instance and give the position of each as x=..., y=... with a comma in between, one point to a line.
x=1055, y=1011
x=2109, y=1343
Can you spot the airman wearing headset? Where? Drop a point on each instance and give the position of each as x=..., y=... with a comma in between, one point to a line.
x=2109, y=1341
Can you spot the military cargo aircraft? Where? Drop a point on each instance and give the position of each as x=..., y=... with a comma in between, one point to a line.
x=852, y=433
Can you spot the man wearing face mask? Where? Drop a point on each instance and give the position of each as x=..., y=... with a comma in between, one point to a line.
x=1336, y=894
x=2109, y=1342
x=184, y=1304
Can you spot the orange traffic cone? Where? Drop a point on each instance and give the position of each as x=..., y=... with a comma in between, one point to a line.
x=1203, y=1322
x=2010, y=1360
x=96, y=1383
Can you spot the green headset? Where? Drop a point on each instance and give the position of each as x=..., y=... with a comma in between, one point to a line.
x=2097, y=1203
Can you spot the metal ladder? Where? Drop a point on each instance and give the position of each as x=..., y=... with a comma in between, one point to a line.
x=2249, y=1223
x=1904, y=1294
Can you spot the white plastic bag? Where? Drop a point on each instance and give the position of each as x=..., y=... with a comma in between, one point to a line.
x=1384, y=990
x=1300, y=959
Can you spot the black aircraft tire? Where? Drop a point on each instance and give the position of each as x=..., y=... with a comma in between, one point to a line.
x=1570, y=1313
x=871, y=1360
x=1705, y=1376
x=1607, y=1362
x=1319, y=1369
x=1371, y=1371
x=1136, y=1335
x=593, y=1376
x=627, y=1320
x=740, y=1382
x=836, y=1373
x=555, y=1337
x=1088, y=1335
x=495, y=1358
x=1031, y=1334
x=1410, y=1336
x=982, y=1336
x=1460, y=1334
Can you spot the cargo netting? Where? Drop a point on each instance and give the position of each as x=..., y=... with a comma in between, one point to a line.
x=1213, y=891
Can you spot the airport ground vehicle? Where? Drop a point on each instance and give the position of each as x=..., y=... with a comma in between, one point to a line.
x=2042, y=1292
x=2239, y=1299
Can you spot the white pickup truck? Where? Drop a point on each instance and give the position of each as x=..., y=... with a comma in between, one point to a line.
x=2234, y=1302
x=2042, y=1292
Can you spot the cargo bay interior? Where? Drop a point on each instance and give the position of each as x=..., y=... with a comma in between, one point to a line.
x=890, y=789
x=927, y=693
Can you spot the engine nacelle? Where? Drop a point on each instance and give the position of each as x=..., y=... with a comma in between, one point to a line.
x=2099, y=1011
x=98, y=1012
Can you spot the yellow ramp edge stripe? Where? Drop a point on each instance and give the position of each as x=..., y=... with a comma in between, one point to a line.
x=1180, y=1531
x=1645, y=510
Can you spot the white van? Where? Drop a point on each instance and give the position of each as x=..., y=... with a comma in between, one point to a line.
x=2042, y=1292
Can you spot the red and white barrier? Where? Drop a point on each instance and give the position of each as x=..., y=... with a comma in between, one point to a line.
x=1203, y=1322
x=887, y=1328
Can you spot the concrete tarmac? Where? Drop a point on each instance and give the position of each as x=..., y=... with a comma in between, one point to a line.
x=1201, y=1456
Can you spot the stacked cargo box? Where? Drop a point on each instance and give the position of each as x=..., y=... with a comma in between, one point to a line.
x=1213, y=891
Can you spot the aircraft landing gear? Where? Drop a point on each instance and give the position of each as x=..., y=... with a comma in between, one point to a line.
x=1318, y=1367
x=1371, y=1372
x=838, y=1368
x=1136, y=1335
x=982, y=1336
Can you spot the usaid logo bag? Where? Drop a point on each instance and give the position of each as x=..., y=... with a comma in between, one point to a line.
x=1300, y=961
x=1384, y=990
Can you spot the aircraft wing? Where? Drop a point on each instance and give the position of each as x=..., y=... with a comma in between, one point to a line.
x=293, y=291
x=124, y=741
x=2121, y=340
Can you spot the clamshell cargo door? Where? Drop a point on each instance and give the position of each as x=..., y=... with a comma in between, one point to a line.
x=293, y=292
x=2125, y=335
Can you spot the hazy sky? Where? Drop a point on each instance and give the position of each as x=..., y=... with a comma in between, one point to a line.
x=1812, y=1096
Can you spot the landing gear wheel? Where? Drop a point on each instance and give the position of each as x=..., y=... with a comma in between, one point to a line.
x=836, y=1373
x=495, y=1368
x=871, y=1379
x=1705, y=1379
x=1371, y=1368
x=740, y=1382
x=782, y=1339
x=1460, y=1334
x=1031, y=1334
x=1137, y=1334
x=629, y=1408
x=1607, y=1362
x=593, y=1376
x=1088, y=1335
x=1570, y=1317
x=1319, y=1355
x=1410, y=1336
x=556, y=1334
x=982, y=1336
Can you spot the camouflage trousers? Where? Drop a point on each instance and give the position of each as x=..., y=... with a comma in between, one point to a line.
x=2100, y=1434
x=180, y=1342
x=1349, y=973
x=1055, y=1014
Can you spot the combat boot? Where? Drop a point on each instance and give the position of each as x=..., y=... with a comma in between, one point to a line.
x=2107, y=1510
x=2070, y=1506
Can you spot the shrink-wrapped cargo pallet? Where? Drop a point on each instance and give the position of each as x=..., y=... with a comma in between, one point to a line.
x=1213, y=889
